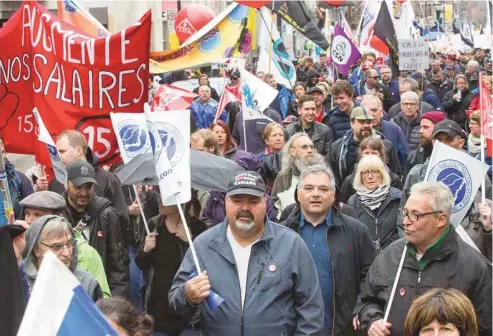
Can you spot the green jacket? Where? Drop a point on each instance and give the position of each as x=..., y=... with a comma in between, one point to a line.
x=88, y=259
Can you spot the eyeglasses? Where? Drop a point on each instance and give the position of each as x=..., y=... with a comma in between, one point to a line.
x=409, y=104
x=463, y=83
x=305, y=147
x=413, y=217
x=372, y=172
x=58, y=248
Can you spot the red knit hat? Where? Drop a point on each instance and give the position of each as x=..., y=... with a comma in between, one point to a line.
x=434, y=117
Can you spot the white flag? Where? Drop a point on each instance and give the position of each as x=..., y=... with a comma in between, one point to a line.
x=60, y=306
x=273, y=56
x=256, y=96
x=171, y=129
x=56, y=161
x=459, y=171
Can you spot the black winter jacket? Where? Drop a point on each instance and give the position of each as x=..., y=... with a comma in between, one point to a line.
x=347, y=189
x=351, y=254
x=452, y=264
x=107, y=237
x=441, y=89
x=381, y=221
x=457, y=110
x=269, y=168
x=321, y=136
x=410, y=129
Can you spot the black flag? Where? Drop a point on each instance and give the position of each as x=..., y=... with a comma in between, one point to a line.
x=384, y=29
x=296, y=14
x=12, y=303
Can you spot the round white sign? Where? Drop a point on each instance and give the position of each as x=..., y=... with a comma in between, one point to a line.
x=341, y=50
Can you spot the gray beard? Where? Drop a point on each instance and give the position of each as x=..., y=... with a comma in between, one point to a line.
x=244, y=227
x=302, y=163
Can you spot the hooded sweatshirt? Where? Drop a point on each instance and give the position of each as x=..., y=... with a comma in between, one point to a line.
x=86, y=279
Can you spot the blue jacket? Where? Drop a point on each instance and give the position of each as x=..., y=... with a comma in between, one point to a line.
x=339, y=122
x=204, y=114
x=393, y=89
x=284, y=96
x=282, y=297
x=431, y=98
x=394, y=134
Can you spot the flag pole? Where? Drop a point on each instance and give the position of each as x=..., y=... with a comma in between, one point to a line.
x=361, y=22
x=141, y=209
x=394, y=287
x=481, y=110
x=189, y=236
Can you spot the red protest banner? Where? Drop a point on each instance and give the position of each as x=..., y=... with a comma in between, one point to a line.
x=172, y=98
x=74, y=80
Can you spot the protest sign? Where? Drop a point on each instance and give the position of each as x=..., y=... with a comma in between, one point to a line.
x=74, y=80
x=414, y=54
x=482, y=41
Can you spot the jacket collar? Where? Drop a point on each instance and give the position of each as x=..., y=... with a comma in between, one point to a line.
x=219, y=242
x=443, y=247
x=294, y=219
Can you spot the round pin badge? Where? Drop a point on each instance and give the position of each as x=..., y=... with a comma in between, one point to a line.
x=272, y=268
x=402, y=292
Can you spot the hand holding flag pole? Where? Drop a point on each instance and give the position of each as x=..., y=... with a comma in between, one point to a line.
x=141, y=209
x=394, y=287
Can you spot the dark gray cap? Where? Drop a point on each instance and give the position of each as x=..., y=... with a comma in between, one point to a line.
x=81, y=172
x=247, y=183
x=48, y=200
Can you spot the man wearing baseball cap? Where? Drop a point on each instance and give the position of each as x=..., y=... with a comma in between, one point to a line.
x=278, y=292
x=344, y=152
x=426, y=129
x=95, y=220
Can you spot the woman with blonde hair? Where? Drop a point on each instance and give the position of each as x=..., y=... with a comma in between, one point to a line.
x=376, y=202
x=440, y=311
x=271, y=158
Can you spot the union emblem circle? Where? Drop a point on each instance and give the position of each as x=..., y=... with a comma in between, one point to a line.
x=454, y=175
x=134, y=138
x=172, y=141
x=341, y=50
x=53, y=152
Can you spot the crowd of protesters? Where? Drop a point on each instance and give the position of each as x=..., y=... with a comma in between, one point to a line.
x=307, y=240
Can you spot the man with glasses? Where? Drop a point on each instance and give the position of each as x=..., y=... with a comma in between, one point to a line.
x=435, y=257
x=405, y=85
x=390, y=84
x=408, y=119
x=320, y=134
x=371, y=85
x=54, y=233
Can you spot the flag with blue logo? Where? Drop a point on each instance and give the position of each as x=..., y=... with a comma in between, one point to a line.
x=273, y=56
x=60, y=306
x=462, y=173
x=256, y=96
x=45, y=137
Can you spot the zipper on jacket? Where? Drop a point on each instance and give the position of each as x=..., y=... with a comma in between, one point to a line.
x=377, y=240
x=333, y=284
x=419, y=282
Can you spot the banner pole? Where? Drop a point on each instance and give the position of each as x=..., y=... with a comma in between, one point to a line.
x=481, y=110
x=189, y=236
x=394, y=287
x=358, y=34
x=141, y=209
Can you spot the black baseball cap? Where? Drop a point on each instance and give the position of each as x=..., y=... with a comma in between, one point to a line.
x=247, y=183
x=81, y=172
x=449, y=127
x=315, y=89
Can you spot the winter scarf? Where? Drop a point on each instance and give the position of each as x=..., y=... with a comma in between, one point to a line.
x=373, y=198
x=474, y=144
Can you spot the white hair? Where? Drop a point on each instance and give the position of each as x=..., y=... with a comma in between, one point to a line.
x=473, y=63
x=370, y=162
x=410, y=95
x=441, y=198
x=366, y=98
x=287, y=158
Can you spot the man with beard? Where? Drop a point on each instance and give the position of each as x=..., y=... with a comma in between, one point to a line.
x=96, y=221
x=426, y=128
x=371, y=85
x=390, y=84
x=297, y=154
x=344, y=152
x=320, y=134
x=438, y=83
x=278, y=292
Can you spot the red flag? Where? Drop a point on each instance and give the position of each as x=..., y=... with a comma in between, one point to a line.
x=486, y=107
x=229, y=95
x=171, y=98
x=74, y=80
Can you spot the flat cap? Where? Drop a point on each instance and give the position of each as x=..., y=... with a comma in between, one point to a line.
x=48, y=200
